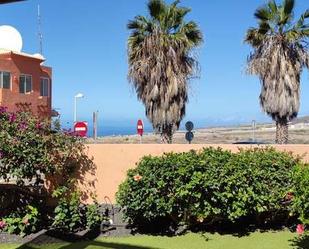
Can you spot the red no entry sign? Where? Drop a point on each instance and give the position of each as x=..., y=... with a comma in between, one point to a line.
x=140, y=127
x=81, y=129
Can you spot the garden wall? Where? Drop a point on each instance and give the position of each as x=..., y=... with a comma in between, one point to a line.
x=113, y=160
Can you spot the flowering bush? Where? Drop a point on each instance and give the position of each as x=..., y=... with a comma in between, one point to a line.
x=21, y=222
x=31, y=151
x=208, y=187
x=34, y=154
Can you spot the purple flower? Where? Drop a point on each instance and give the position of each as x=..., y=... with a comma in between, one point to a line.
x=23, y=126
x=12, y=117
x=1, y=154
x=3, y=109
x=2, y=224
x=38, y=125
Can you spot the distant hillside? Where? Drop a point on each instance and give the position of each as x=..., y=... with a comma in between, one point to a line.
x=304, y=119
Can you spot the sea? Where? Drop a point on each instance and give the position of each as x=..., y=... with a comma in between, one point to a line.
x=128, y=127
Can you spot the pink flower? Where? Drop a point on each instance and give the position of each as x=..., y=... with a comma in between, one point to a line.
x=289, y=196
x=23, y=126
x=26, y=221
x=38, y=126
x=137, y=178
x=200, y=220
x=2, y=224
x=12, y=117
x=3, y=109
x=300, y=229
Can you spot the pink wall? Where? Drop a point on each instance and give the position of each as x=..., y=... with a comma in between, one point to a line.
x=113, y=160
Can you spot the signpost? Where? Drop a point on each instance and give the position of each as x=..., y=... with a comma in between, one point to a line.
x=81, y=129
x=95, y=125
x=189, y=134
x=140, y=128
x=253, y=130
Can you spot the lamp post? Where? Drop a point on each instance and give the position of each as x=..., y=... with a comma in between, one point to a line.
x=77, y=96
x=253, y=129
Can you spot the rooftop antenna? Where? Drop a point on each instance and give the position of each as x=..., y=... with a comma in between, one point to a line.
x=40, y=35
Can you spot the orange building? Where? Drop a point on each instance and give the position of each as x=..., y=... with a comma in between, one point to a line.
x=25, y=84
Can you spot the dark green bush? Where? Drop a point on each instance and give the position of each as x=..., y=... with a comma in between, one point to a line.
x=207, y=186
x=22, y=222
x=94, y=216
x=67, y=213
x=71, y=215
x=300, y=194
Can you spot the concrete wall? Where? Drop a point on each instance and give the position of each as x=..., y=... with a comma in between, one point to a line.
x=113, y=160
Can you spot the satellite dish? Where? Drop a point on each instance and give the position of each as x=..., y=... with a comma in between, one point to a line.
x=39, y=56
x=10, y=39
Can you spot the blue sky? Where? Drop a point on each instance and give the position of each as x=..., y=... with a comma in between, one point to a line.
x=85, y=43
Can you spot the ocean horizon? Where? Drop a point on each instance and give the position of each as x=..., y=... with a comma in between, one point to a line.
x=128, y=127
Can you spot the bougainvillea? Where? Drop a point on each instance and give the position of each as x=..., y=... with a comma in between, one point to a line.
x=32, y=151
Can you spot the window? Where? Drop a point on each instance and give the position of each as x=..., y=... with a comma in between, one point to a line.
x=5, y=80
x=44, y=87
x=25, y=83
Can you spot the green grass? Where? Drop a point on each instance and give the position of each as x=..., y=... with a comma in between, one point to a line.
x=269, y=240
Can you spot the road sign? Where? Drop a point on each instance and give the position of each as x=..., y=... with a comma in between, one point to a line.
x=81, y=129
x=189, y=136
x=140, y=127
x=189, y=126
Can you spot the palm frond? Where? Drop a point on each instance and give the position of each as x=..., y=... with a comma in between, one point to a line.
x=273, y=6
x=157, y=9
x=255, y=36
x=192, y=33
x=279, y=68
x=263, y=14
x=286, y=12
x=294, y=35
x=139, y=22
x=288, y=6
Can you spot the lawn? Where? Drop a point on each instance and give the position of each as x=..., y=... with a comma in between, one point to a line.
x=269, y=240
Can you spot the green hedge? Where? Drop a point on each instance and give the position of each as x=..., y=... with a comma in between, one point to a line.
x=301, y=193
x=208, y=186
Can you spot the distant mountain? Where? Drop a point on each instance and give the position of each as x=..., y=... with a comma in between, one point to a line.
x=304, y=119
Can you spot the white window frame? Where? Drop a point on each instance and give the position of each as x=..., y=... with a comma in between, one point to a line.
x=48, y=86
x=25, y=82
x=1, y=80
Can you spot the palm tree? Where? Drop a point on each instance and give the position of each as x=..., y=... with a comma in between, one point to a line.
x=280, y=52
x=161, y=63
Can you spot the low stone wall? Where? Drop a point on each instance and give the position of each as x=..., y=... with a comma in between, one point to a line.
x=113, y=161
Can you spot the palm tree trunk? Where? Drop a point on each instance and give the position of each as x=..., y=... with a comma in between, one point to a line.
x=167, y=135
x=282, y=132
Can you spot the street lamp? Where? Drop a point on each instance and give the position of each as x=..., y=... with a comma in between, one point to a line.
x=77, y=96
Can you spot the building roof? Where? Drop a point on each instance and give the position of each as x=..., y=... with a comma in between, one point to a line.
x=32, y=56
x=9, y=1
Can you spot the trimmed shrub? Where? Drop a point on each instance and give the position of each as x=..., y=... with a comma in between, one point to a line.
x=208, y=186
x=300, y=194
